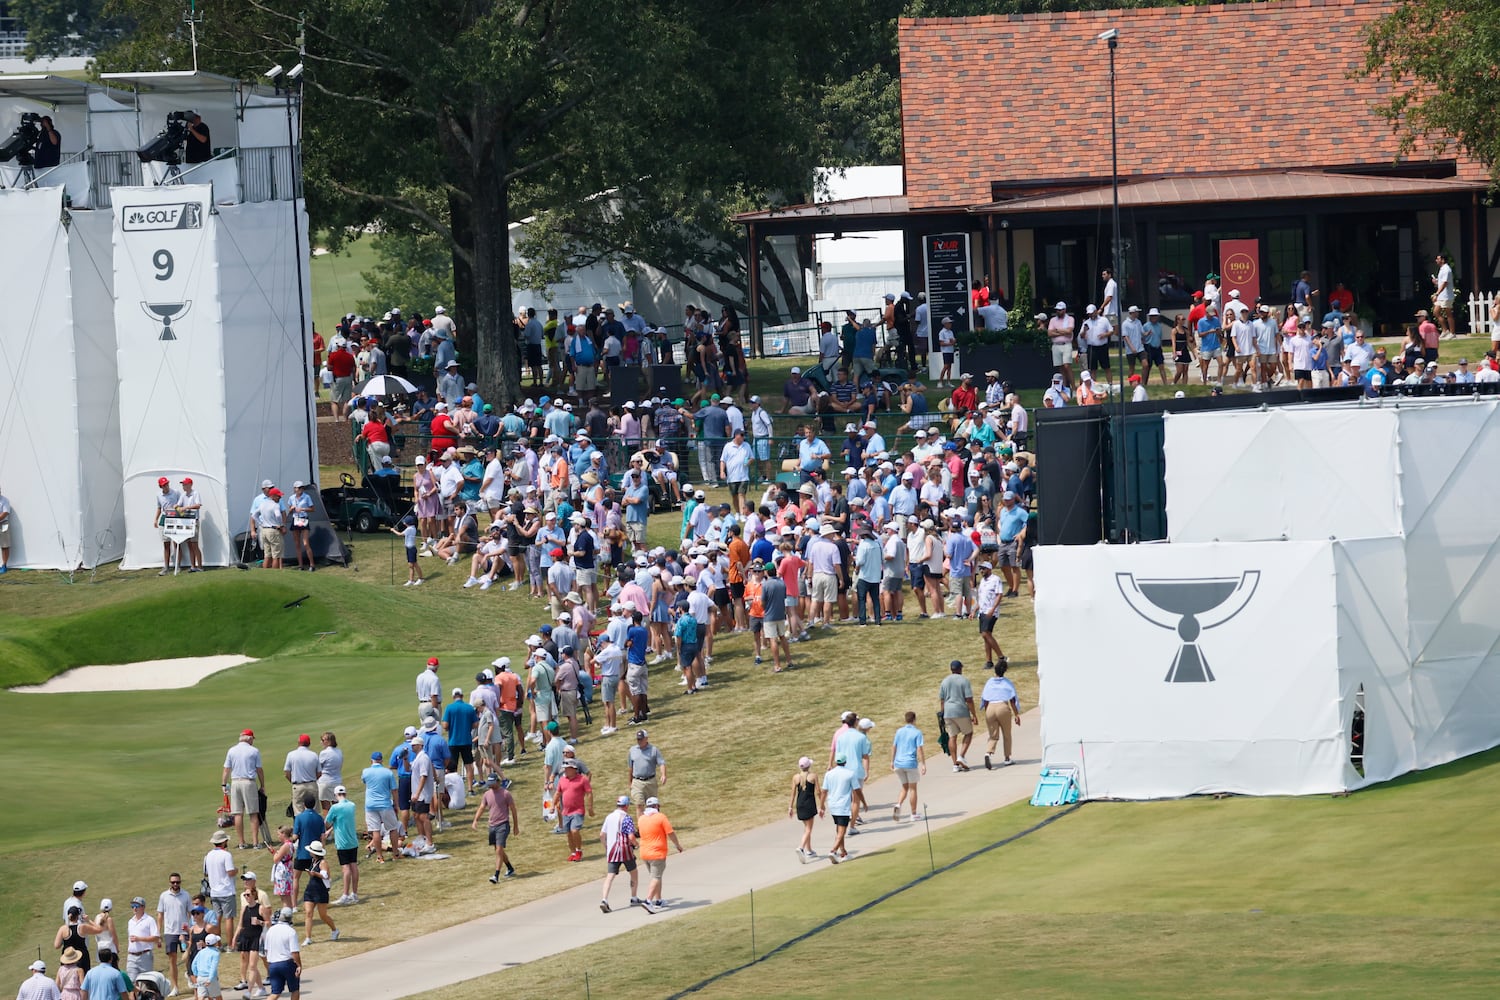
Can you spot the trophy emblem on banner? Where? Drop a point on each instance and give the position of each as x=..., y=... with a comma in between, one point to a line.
x=166, y=312
x=1190, y=606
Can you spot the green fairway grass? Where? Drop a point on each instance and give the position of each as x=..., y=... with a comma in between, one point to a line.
x=1384, y=893
x=336, y=283
x=132, y=779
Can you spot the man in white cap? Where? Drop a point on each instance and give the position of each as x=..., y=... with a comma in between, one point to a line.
x=1060, y=332
x=1132, y=332
x=619, y=837
x=38, y=986
x=1097, y=333
x=1151, y=332
x=1057, y=395
x=205, y=969
x=654, y=830
x=283, y=956
x=346, y=843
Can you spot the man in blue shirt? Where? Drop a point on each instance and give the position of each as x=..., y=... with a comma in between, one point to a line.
x=307, y=827
x=909, y=761
x=811, y=453
x=959, y=549
x=380, y=813
x=637, y=500
x=836, y=798
x=1208, y=342
x=637, y=639
x=1012, y=525
x=458, y=723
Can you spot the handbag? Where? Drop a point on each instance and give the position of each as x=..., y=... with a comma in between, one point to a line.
x=203, y=883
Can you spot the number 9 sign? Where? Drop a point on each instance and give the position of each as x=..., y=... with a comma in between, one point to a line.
x=164, y=265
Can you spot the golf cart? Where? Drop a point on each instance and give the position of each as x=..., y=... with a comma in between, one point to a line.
x=367, y=507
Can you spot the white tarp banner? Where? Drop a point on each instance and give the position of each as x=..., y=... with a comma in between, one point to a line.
x=171, y=360
x=1449, y=481
x=59, y=464
x=1171, y=670
x=1295, y=473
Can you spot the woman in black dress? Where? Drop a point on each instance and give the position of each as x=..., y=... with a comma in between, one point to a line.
x=315, y=895
x=804, y=806
x=1182, y=350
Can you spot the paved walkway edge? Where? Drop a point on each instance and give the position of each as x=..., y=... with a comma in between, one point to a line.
x=699, y=877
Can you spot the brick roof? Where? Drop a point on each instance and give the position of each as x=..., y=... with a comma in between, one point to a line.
x=1017, y=98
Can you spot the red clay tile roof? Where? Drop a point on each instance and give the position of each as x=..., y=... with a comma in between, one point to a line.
x=1013, y=98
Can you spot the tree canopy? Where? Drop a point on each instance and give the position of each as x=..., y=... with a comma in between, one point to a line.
x=1442, y=56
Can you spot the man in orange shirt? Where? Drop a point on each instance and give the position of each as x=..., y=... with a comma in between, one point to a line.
x=654, y=830
x=508, y=687
x=739, y=558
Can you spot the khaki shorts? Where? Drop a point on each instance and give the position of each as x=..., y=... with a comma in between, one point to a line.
x=569, y=704
x=243, y=797
x=961, y=586
x=1062, y=354
x=825, y=587
x=907, y=775
x=270, y=542
x=586, y=378
x=635, y=532
x=655, y=867
x=958, y=725
x=642, y=789
x=776, y=629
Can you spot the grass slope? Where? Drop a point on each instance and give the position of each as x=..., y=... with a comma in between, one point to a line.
x=148, y=763
x=1384, y=893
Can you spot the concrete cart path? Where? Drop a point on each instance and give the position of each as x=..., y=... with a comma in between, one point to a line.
x=699, y=877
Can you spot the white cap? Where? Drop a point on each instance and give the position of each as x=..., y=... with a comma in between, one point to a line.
x=439, y=310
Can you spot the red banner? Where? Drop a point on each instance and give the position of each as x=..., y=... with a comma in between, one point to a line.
x=1239, y=269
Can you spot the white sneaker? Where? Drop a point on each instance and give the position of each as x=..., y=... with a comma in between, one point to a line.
x=682, y=683
x=514, y=586
x=427, y=553
x=606, y=730
x=417, y=582
x=485, y=585
x=407, y=583
x=938, y=614
x=453, y=560
x=470, y=582
x=507, y=762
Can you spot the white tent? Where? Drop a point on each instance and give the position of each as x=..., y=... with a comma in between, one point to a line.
x=1321, y=561
x=59, y=453
x=212, y=369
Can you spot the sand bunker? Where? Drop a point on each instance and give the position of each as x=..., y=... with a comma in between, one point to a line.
x=147, y=675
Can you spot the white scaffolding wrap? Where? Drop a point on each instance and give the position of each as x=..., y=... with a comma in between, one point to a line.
x=59, y=455
x=211, y=370
x=1392, y=616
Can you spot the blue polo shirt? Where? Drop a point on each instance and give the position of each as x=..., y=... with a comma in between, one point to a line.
x=307, y=827
x=1208, y=333
x=380, y=782
x=1012, y=520
x=460, y=718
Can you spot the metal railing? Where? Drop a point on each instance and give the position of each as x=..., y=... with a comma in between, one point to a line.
x=266, y=174
x=12, y=38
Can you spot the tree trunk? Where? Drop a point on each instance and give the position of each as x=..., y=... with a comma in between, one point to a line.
x=464, y=313
x=499, y=374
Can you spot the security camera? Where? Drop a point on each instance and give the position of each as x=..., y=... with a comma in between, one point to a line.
x=1108, y=36
x=294, y=72
x=273, y=72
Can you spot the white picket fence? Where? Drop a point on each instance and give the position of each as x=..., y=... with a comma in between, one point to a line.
x=1479, y=314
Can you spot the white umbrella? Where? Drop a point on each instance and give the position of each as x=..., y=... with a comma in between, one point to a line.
x=386, y=385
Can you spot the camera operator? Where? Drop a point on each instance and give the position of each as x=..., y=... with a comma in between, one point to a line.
x=48, y=149
x=200, y=148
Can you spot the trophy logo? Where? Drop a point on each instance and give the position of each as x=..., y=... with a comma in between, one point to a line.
x=1190, y=606
x=166, y=312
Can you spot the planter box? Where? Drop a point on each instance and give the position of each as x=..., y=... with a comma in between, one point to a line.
x=1024, y=367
